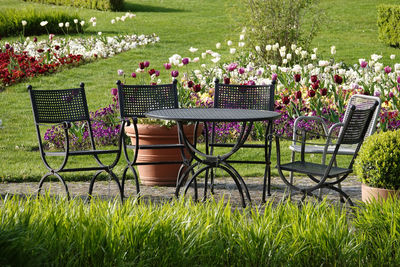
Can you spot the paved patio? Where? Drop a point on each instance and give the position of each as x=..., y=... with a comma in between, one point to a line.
x=223, y=187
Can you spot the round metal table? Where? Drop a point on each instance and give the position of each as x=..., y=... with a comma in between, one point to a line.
x=203, y=115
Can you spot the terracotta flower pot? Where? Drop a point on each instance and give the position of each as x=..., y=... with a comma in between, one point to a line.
x=149, y=134
x=369, y=193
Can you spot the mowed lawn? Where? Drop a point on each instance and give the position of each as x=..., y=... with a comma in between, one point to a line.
x=350, y=26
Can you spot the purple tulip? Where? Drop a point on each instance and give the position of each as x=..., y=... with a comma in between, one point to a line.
x=251, y=82
x=363, y=64
x=398, y=79
x=120, y=72
x=391, y=95
x=146, y=64
x=185, y=61
x=388, y=69
x=377, y=93
x=114, y=91
x=133, y=75
x=274, y=76
x=157, y=73
x=167, y=66
x=241, y=70
x=232, y=66
x=174, y=73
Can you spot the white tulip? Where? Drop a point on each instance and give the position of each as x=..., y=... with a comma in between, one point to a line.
x=43, y=23
x=284, y=61
x=333, y=50
x=218, y=45
x=24, y=22
x=232, y=50
x=60, y=24
x=258, y=49
x=66, y=24
x=313, y=56
x=203, y=55
x=82, y=23
x=268, y=47
x=241, y=44
x=392, y=57
x=196, y=59
x=76, y=21
x=112, y=21
x=229, y=43
x=216, y=59
x=289, y=56
x=192, y=49
x=241, y=37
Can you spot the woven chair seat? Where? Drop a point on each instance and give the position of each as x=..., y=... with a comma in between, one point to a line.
x=82, y=152
x=316, y=149
x=314, y=169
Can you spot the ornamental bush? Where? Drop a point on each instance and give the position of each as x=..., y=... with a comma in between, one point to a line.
x=388, y=19
x=289, y=22
x=105, y=5
x=378, y=163
x=11, y=22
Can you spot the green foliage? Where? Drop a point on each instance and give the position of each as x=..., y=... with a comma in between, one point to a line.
x=378, y=162
x=11, y=22
x=388, y=23
x=52, y=232
x=288, y=22
x=105, y=5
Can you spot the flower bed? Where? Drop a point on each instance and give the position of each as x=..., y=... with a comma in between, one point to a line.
x=32, y=57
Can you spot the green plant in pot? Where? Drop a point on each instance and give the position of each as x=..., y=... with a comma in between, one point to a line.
x=378, y=166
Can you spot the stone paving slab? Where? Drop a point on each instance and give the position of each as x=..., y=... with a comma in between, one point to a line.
x=224, y=187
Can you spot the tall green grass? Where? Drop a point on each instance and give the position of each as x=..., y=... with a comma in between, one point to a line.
x=50, y=231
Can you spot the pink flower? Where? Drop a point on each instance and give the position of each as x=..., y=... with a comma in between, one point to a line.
x=146, y=64
x=297, y=77
x=133, y=75
x=197, y=88
x=114, y=91
x=285, y=100
x=251, y=82
x=174, y=73
x=398, y=79
x=363, y=64
x=241, y=70
x=232, y=66
x=377, y=93
x=338, y=79
x=167, y=66
x=388, y=69
x=274, y=76
x=35, y=39
x=185, y=61
x=313, y=78
x=157, y=73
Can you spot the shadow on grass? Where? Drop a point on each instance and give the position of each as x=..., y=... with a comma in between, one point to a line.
x=146, y=8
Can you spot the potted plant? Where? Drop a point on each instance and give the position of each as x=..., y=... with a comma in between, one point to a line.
x=378, y=166
x=153, y=131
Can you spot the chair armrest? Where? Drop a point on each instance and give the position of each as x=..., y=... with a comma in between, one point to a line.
x=308, y=118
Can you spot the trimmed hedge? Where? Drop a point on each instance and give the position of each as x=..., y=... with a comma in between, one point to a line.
x=105, y=5
x=388, y=24
x=11, y=22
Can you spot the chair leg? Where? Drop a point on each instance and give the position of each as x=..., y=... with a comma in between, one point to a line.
x=135, y=177
x=59, y=178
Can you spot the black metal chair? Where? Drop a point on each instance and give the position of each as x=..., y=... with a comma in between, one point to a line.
x=260, y=97
x=64, y=108
x=134, y=102
x=352, y=132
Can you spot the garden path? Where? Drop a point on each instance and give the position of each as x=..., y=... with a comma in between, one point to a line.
x=223, y=187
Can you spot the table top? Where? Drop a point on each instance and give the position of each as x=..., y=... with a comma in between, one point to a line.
x=213, y=114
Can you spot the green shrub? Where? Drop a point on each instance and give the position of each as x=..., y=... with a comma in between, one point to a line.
x=10, y=22
x=388, y=24
x=105, y=5
x=288, y=22
x=378, y=162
